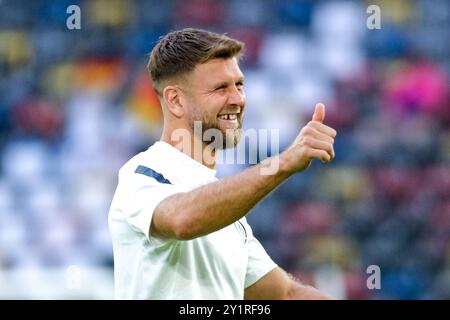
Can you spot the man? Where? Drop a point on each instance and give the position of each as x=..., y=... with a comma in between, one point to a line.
x=178, y=232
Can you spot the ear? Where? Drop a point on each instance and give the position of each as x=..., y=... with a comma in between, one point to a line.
x=172, y=98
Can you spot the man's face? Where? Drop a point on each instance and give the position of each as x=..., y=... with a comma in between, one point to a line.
x=214, y=94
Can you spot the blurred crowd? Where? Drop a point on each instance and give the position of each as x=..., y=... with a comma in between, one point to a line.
x=77, y=104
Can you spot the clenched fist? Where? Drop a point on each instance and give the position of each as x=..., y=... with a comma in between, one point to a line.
x=315, y=141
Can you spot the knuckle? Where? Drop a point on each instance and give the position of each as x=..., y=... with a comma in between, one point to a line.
x=334, y=133
x=307, y=141
x=307, y=130
x=312, y=125
x=330, y=146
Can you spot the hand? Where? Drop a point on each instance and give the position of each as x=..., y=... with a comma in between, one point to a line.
x=315, y=141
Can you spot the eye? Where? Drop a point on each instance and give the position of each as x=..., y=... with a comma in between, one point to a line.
x=222, y=87
x=240, y=84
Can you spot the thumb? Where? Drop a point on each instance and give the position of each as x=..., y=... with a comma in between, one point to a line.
x=319, y=113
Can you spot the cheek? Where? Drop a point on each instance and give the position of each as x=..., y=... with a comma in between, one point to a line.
x=218, y=103
x=213, y=105
x=201, y=112
x=208, y=107
x=194, y=108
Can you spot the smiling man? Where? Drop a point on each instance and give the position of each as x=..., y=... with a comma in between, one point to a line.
x=178, y=232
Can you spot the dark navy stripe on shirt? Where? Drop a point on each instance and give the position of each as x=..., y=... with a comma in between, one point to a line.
x=152, y=174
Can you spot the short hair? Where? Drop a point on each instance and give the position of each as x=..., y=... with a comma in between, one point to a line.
x=178, y=52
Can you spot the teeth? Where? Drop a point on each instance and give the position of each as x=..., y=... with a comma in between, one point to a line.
x=228, y=116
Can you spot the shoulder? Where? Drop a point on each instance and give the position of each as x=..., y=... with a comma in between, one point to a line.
x=128, y=169
x=145, y=169
x=145, y=158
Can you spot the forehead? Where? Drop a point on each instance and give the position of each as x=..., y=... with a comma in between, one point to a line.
x=216, y=70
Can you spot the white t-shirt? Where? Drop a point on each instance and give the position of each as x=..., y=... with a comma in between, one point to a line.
x=219, y=265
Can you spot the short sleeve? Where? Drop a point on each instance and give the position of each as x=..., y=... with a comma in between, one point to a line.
x=146, y=196
x=259, y=262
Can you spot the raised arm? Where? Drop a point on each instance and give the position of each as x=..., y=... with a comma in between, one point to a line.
x=216, y=205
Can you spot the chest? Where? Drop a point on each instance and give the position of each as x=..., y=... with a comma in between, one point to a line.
x=226, y=249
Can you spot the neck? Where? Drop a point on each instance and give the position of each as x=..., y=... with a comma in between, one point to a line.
x=192, y=146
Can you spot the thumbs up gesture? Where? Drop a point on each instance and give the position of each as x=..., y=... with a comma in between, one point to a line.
x=315, y=141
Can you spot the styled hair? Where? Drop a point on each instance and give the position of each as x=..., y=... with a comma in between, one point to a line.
x=178, y=52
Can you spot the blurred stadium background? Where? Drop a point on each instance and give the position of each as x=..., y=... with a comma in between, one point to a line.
x=76, y=104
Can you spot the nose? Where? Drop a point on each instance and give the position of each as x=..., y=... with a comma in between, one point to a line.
x=236, y=96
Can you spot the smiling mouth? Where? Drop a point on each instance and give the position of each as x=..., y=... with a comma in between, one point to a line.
x=231, y=116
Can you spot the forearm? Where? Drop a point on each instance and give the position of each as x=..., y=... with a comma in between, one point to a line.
x=279, y=285
x=299, y=291
x=216, y=205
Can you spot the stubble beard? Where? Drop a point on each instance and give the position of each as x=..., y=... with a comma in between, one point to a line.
x=230, y=137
